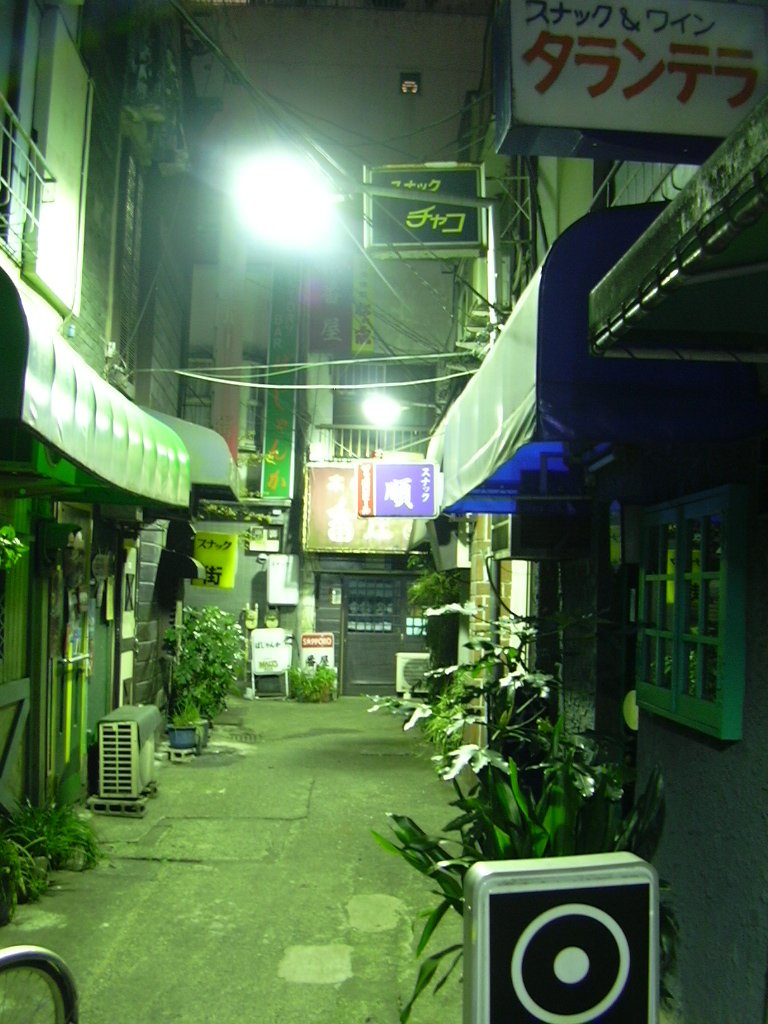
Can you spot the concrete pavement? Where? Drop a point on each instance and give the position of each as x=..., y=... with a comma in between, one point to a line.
x=252, y=890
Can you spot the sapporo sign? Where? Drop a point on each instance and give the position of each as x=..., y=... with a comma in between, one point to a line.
x=670, y=67
x=393, y=490
x=424, y=210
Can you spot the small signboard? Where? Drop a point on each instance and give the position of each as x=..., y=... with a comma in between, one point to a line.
x=271, y=651
x=424, y=210
x=396, y=490
x=317, y=649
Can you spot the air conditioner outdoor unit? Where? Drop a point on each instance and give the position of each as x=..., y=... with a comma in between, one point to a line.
x=127, y=752
x=410, y=668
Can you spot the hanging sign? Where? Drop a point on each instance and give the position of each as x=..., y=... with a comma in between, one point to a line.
x=331, y=521
x=394, y=489
x=424, y=210
x=669, y=73
x=217, y=552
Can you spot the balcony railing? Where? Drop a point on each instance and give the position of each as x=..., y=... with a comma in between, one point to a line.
x=25, y=183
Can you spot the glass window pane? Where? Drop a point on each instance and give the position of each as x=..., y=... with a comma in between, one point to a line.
x=665, y=676
x=709, y=673
x=692, y=596
x=648, y=660
x=693, y=547
x=712, y=607
x=691, y=661
x=713, y=544
x=652, y=549
x=669, y=548
x=652, y=611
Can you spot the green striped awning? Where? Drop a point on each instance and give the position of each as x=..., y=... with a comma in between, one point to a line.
x=63, y=426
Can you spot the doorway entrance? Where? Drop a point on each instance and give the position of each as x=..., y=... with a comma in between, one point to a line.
x=376, y=624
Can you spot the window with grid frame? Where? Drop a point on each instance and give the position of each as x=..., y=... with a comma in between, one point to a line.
x=691, y=640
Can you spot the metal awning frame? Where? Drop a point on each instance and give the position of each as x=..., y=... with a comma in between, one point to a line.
x=707, y=235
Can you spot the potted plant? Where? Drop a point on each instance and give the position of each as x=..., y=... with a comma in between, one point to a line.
x=183, y=729
x=312, y=686
x=209, y=654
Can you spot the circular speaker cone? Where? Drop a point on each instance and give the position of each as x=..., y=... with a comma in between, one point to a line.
x=570, y=964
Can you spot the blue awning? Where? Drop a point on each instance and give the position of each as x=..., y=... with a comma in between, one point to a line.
x=65, y=429
x=541, y=407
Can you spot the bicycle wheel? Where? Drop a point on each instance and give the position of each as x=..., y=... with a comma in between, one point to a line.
x=36, y=987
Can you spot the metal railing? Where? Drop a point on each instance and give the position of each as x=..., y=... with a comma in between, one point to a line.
x=25, y=183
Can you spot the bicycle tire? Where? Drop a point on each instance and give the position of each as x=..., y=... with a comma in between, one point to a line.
x=36, y=987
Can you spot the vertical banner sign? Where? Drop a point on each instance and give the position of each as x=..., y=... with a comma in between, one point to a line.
x=329, y=301
x=280, y=418
x=218, y=554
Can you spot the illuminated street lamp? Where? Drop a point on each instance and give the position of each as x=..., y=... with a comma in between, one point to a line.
x=285, y=200
x=381, y=411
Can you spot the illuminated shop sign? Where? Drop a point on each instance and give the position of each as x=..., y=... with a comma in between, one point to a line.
x=676, y=69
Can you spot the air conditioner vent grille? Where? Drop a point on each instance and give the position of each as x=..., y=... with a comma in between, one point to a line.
x=410, y=670
x=126, y=765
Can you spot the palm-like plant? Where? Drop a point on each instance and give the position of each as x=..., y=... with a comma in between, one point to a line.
x=528, y=787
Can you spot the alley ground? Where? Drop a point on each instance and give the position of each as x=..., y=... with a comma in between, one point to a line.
x=252, y=889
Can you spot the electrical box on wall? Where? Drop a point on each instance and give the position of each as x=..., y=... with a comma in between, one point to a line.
x=282, y=579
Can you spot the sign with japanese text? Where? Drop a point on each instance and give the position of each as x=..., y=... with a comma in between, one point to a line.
x=316, y=649
x=280, y=415
x=271, y=651
x=417, y=209
x=339, y=309
x=684, y=68
x=397, y=489
x=331, y=522
x=218, y=554
x=363, y=339
x=329, y=301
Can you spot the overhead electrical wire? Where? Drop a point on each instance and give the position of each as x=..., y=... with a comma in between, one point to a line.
x=271, y=386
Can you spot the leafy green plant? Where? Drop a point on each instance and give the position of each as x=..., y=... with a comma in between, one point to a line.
x=11, y=878
x=434, y=589
x=312, y=686
x=526, y=787
x=209, y=651
x=54, y=832
x=12, y=549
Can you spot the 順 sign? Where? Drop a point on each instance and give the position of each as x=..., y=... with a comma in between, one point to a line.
x=397, y=490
